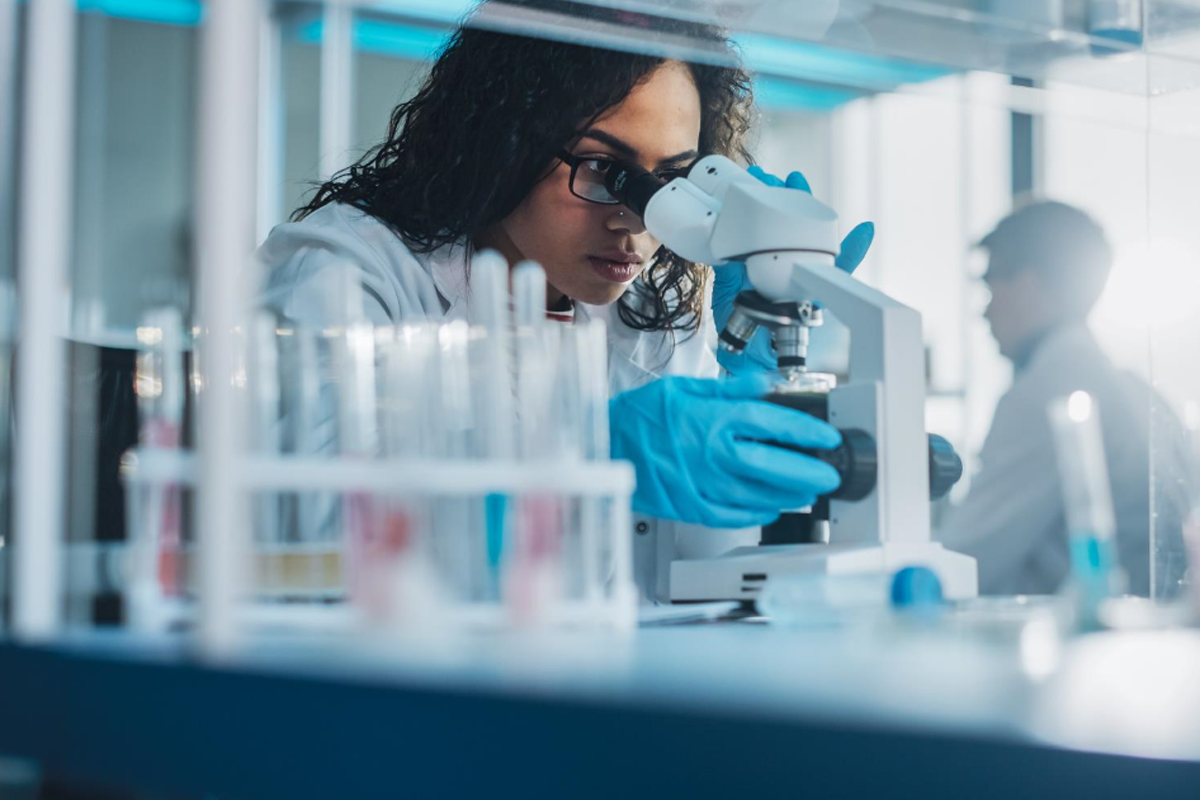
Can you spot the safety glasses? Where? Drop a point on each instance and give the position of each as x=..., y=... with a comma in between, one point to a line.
x=588, y=173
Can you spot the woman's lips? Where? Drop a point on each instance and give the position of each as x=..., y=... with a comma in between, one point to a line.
x=615, y=271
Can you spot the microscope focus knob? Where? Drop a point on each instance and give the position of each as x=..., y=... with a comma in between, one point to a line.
x=945, y=467
x=856, y=461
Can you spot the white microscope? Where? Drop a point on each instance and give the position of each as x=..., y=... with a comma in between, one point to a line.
x=879, y=520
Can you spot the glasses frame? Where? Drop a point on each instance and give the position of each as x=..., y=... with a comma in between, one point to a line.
x=573, y=161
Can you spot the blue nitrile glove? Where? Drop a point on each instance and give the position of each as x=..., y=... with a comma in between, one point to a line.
x=730, y=281
x=699, y=449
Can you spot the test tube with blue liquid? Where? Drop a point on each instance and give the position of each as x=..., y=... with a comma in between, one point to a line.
x=1087, y=495
x=489, y=277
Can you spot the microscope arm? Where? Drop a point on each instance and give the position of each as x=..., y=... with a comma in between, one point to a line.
x=887, y=360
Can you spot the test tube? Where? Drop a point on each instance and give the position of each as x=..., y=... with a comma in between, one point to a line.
x=1191, y=518
x=533, y=577
x=454, y=527
x=409, y=413
x=535, y=361
x=8, y=327
x=494, y=399
x=262, y=380
x=1118, y=20
x=529, y=296
x=1091, y=524
x=586, y=419
x=160, y=385
x=354, y=371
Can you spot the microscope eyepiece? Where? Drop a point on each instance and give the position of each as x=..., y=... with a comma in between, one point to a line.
x=632, y=185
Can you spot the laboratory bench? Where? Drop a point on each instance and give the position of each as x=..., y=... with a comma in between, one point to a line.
x=733, y=709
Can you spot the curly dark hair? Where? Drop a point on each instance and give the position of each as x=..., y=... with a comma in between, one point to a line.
x=493, y=113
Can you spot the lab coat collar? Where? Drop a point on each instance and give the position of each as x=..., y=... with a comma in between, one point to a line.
x=447, y=266
x=635, y=357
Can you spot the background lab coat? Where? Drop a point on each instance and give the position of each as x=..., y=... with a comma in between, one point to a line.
x=1012, y=519
x=302, y=261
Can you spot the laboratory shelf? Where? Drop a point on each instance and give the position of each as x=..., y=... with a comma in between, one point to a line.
x=723, y=709
x=875, y=45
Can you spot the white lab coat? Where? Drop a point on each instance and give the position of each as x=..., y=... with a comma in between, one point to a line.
x=300, y=257
x=1013, y=520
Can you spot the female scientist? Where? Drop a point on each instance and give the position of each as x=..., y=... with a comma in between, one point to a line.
x=505, y=147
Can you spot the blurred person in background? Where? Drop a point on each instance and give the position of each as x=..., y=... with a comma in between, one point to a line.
x=1047, y=266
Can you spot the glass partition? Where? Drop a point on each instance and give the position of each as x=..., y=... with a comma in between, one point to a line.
x=931, y=118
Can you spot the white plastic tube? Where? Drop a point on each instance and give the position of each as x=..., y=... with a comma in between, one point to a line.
x=1091, y=522
x=44, y=247
x=489, y=284
x=1082, y=466
x=225, y=228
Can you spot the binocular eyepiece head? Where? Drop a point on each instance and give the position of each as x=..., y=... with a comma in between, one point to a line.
x=632, y=185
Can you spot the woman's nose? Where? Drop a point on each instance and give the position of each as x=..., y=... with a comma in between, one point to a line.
x=622, y=219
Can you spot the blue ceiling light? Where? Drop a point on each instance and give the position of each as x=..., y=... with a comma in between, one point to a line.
x=385, y=38
x=447, y=11
x=169, y=12
x=792, y=95
x=773, y=56
x=405, y=41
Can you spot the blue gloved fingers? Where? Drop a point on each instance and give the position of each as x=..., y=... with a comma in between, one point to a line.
x=764, y=176
x=796, y=180
x=792, y=476
x=855, y=247
x=728, y=280
x=763, y=421
x=755, y=495
x=744, y=387
x=758, y=356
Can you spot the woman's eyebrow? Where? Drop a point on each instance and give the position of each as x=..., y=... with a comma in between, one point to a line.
x=629, y=151
x=686, y=155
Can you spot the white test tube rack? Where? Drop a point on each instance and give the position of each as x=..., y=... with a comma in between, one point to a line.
x=615, y=608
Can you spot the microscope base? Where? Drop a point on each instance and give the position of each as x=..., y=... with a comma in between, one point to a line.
x=741, y=573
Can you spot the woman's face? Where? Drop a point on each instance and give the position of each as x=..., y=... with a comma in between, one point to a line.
x=593, y=252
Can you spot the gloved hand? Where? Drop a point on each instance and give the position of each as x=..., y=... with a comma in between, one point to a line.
x=699, y=450
x=730, y=281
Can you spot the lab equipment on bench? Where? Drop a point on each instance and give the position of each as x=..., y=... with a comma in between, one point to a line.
x=788, y=241
x=461, y=471
x=1091, y=522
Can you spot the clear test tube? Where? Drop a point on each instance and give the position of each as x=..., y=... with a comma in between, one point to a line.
x=159, y=382
x=458, y=520
x=8, y=329
x=300, y=399
x=533, y=574
x=408, y=585
x=529, y=296
x=1119, y=20
x=354, y=379
x=596, y=539
x=494, y=399
x=1091, y=523
x=1191, y=520
x=262, y=380
x=535, y=361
